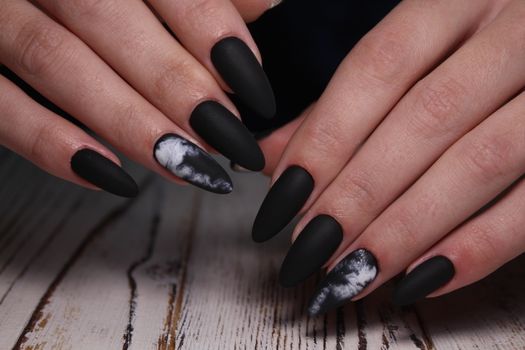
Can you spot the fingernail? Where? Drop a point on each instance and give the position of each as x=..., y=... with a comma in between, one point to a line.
x=311, y=250
x=426, y=278
x=345, y=281
x=284, y=200
x=103, y=173
x=191, y=163
x=243, y=73
x=227, y=134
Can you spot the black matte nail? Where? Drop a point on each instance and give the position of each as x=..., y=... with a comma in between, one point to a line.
x=282, y=203
x=227, y=134
x=311, y=250
x=103, y=173
x=188, y=161
x=348, y=278
x=243, y=73
x=426, y=278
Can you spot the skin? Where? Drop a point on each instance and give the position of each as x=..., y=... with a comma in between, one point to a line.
x=421, y=127
x=76, y=53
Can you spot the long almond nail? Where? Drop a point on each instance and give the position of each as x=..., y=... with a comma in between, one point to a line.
x=191, y=163
x=426, y=278
x=103, y=173
x=348, y=278
x=282, y=203
x=227, y=134
x=243, y=73
x=311, y=250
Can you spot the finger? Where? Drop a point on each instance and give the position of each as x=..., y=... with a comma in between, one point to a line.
x=274, y=144
x=470, y=253
x=478, y=78
x=364, y=89
x=469, y=175
x=57, y=146
x=215, y=33
x=161, y=70
x=250, y=10
x=67, y=72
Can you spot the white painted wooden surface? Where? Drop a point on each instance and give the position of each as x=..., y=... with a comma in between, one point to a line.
x=176, y=268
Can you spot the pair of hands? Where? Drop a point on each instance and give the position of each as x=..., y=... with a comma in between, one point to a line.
x=412, y=159
x=421, y=127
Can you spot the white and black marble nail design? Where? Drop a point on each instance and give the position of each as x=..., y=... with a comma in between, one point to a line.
x=345, y=281
x=191, y=163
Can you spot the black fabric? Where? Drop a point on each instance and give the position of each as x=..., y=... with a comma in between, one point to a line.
x=302, y=42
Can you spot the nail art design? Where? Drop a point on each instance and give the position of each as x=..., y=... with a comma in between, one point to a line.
x=227, y=134
x=426, y=278
x=348, y=278
x=241, y=70
x=311, y=250
x=191, y=163
x=103, y=173
x=284, y=200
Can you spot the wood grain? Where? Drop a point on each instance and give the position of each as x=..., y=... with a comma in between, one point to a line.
x=175, y=268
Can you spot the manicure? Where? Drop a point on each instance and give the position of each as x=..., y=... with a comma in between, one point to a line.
x=282, y=203
x=227, y=134
x=243, y=73
x=426, y=278
x=191, y=163
x=103, y=173
x=348, y=278
x=311, y=250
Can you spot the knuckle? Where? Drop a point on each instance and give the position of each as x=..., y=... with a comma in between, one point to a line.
x=126, y=116
x=488, y=158
x=46, y=134
x=324, y=136
x=437, y=107
x=204, y=8
x=360, y=189
x=481, y=244
x=402, y=227
x=176, y=75
x=89, y=9
x=42, y=47
x=382, y=57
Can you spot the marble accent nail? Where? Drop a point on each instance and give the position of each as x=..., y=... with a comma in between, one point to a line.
x=188, y=161
x=348, y=278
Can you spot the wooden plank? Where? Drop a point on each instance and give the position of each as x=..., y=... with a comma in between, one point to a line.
x=176, y=269
x=120, y=289
x=40, y=241
x=232, y=299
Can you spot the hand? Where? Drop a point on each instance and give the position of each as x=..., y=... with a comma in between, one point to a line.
x=422, y=125
x=113, y=66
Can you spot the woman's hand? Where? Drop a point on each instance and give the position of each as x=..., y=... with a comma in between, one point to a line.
x=113, y=66
x=421, y=127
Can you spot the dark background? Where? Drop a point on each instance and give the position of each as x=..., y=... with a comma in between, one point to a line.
x=302, y=42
